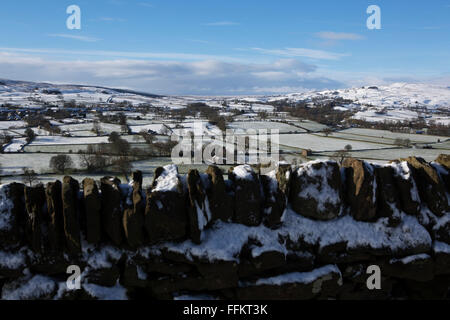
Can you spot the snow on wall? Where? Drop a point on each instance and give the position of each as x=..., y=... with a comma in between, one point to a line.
x=322, y=192
x=168, y=180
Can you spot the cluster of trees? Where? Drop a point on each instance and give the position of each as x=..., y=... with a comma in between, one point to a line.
x=200, y=109
x=41, y=122
x=30, y=135
x=323, y=113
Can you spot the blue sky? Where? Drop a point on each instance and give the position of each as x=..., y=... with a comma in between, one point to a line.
x=225, y=47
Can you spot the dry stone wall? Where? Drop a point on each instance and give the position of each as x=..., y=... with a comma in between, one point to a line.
x=307, y=232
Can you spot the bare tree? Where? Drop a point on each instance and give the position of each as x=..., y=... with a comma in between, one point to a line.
x=340, y=156
x=93, y=162
x=327, y=131
x=29, y=176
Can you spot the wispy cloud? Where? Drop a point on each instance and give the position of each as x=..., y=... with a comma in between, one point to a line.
x=329, y=35
x=111, y=19
x=198, y=41
x=222, y=23
x=168, y=77
x=121, y=54
x=302, y=52
x=145, y=4
x=75, y=37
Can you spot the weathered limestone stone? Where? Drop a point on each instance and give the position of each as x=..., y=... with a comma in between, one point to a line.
x=276, y=192
x=93, y=203
x=361, y=189
x=70, y=188
x=316, y=190
x=165, y=213
x=133, y=218
x=431, y=188
x=34, y=201
x=220, y=202
x=406, y=187
x=247, y=197
x=112, y=216
x=56, y=234
x=198, y=212
x=322, y=282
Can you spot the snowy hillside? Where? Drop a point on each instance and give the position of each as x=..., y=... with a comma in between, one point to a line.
x=397, y=94
x=396, y=102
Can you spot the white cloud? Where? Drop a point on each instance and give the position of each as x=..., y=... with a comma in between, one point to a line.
x=302, y=52
x=328, y=35
x=169, y=77
x=75, y=37
x=122, y=54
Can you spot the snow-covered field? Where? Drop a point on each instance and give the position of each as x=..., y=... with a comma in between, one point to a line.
x=318, y=143
x=12, y=124
x=388, y=135
x=385, y=155
x=55, y=140
x=239, y=127
x=16, y=145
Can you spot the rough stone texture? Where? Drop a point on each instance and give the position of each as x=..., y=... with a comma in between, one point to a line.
x=106, y=277
x=443, y=171
x=56, y=235
x=137, y=177
x=361, y=189
x=324, y=286
x=197, y=210
x=441, y=231
x=34, y=202
x=442, y=263
x=406, y=187
x=444, y=159
x=418, y=269
x=247, y=197
x=130, y=276
x=276, y=192
x=70, y=188
x=112, y=216
x=93, y=203
x=13, y=233
x=431, y=188
x=388, y=197
x=313, y=180
x=220, y=202
x=133, y=218
x=165, y=213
